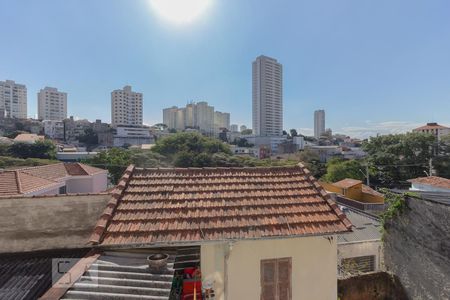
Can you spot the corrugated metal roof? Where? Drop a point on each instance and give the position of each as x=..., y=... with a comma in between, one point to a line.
x=29, y=275
x=365, y=227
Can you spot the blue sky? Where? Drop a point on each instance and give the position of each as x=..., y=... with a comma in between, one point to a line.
x=374, y=66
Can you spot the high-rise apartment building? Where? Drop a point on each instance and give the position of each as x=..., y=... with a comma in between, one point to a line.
x=126, y=107
x=319, y=123
x=13, y=100
x=267, y=86
x=52, y=104
x=198, y=115
x=221, y=121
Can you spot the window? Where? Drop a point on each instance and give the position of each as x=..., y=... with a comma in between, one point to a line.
x=358, y=265
x=276, y=279
x=63, y=190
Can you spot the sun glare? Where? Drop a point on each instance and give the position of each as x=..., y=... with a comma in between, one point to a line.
x=180, y=11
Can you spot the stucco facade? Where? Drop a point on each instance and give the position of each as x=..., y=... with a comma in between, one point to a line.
x=234, y=267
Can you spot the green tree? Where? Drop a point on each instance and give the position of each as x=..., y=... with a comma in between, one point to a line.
x=89, y=138
x=246, y=132
x=311, y=160
x=40, y=149
x=114, y=160
x=397, y=158
x=293, y=132
x=338, y=169
x=441, y=163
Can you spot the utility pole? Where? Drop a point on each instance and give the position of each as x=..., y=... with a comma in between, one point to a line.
x=430, y=166
x=367, y=175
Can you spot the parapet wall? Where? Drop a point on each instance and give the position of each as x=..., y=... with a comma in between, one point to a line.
x=417, y=249
x=48, y=222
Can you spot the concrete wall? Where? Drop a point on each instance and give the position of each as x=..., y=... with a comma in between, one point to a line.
x=38, y=223
x=357, y=249
x=238, y=277
x=87, y=184
x=417, y=249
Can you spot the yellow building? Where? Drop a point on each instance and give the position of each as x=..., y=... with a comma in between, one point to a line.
x=355, y=190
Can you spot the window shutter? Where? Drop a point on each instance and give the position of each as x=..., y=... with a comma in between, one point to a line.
x=268, y=279
x=284, y=278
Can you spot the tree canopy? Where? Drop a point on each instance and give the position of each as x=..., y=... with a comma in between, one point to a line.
x=40, y=149
x=338, y=169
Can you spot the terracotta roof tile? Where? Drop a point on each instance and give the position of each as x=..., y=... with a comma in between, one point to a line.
x=185, y=205
x=347, y=183
x=433, y=180
x=30, y=179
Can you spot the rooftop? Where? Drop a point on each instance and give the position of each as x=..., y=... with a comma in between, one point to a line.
x=31, y=179
x=433, y=181
x=347, y=183
x=365, y=227
x=160, y=206
x=431, y=126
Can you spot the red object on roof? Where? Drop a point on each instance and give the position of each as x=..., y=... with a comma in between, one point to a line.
x=215, y=204
x=433, y=181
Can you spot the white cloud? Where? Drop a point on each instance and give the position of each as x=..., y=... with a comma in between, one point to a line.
x=380, y=128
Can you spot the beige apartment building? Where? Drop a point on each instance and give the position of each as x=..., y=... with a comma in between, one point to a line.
x=267, y=86
x=52, y=104
x=13, y=100
x=126, y=107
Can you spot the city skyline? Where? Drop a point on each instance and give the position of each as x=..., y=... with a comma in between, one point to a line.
x=343, y=65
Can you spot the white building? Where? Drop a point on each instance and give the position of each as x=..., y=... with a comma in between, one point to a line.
x=435, y=129
x=54, y=129
x=13, y=100
x=200, y=116
x=234, y=128
x=126, y=107
x=52, y=104
x=221, y=121
x=267, y=89
x=132, y=136
x=319, y=123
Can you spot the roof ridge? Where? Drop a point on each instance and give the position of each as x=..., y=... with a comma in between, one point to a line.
x=19, y=185
x=110, y=208
x=327, y=197
x=35, y=167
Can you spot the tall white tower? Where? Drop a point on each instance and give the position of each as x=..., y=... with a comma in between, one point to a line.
x=267, y=89
x=52, y=104
x=319, y=123
x=13, y=99
x=126, y=107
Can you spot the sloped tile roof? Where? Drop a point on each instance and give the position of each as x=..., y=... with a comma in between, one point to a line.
x=347, y=183
x=183, y=205
x=431, y=126
x=30, y=179
x=433, y=181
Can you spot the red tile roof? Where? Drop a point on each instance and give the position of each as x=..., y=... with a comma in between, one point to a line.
x=192, y=205
x=347, y=183
x=30, y=179
x=431, y=126
x=433, y=180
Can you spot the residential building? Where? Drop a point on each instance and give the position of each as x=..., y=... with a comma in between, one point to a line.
x=13, y=100
x=270, y=142
x=74, y=128
x=126, y=107
x=132, y=136
x=267, y=89
x=253, y=256
x=360, y=251
x=242, y=128
x=28, y=138
x=435, y=129
x=52, y=104
x=199, y=116
x=325, y=152
x=430, y=184
x=353, y=193
x=54, y=129
x=319, y=123
x=234, y=128
x=221, y=121
x=299, y=141
x=53, y=179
